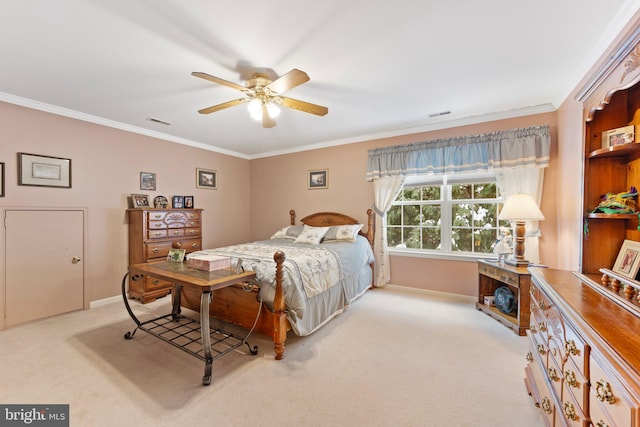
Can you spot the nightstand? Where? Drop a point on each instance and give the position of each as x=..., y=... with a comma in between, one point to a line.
x=491, y=276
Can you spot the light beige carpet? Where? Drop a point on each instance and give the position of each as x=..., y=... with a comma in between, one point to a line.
x=397, y=357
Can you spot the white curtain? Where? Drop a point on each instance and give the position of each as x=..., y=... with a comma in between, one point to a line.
x=386, y=190
x=524, y=180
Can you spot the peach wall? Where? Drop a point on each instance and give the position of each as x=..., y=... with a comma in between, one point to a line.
x=106, y=166
x=279, y=183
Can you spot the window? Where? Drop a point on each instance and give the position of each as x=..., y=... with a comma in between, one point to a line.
x=455, y=215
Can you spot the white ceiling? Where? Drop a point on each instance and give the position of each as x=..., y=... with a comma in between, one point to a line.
x=381, y=67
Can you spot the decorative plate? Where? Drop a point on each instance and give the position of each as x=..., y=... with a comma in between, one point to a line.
x=160, y=202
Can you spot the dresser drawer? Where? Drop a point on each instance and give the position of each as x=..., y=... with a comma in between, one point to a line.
x=157, y=215
x=157, y=225
x=571, y=411
x=152, y=283
x=192, y=231
x=156, y=234
x=157, y=249
x=175, y=232
x=576, y=350
x=575, y=382
x=608, y=399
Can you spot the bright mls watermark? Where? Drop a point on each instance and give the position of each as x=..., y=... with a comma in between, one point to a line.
x=34, y=415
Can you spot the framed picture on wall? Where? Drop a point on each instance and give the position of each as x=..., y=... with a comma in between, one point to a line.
x=206, y=178
x=147, y=181
x=43, y=171
x=628, y=260
x=1, y=179
x=318, y=179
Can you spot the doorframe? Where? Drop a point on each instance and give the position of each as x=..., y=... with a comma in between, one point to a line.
x=86, y=302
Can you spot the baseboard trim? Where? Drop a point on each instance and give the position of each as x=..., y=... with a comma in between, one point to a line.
x=105, y=301
x=448, y=295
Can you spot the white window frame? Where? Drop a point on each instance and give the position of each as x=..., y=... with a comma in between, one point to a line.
x=446, y=202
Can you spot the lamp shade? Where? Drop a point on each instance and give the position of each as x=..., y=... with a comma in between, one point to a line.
x=521, y=207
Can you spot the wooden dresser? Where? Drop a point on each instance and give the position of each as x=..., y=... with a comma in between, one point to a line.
x=584, y=352
x=152, y=232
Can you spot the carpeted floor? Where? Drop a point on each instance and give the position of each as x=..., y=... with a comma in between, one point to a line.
x=397, y=357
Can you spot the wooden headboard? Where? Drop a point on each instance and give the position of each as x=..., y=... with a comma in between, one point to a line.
x=327, y=219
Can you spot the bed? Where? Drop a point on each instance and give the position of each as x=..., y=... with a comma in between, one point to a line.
x=302, y=284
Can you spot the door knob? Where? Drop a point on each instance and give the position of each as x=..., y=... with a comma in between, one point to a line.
x=75, y=259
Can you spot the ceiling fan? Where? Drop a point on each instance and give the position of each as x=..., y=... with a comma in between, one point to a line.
x=264, y=96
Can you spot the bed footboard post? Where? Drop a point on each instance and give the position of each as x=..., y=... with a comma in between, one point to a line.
x=279, y=319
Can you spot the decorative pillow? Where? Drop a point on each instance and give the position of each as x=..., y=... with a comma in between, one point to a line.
x=311, y=235
x=342, y=233
x=289, y=232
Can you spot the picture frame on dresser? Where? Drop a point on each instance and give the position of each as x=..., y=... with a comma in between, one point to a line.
x=177, y=202
x=628, y=261
x=188, y=202
x=43, y=171
x=140, y=201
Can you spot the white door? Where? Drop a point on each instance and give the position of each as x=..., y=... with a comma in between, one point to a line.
x=44, y=259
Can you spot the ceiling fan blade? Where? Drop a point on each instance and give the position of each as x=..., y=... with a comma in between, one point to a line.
x=222, y=106
x=218, y=80
x=306, y=107
x=288, y=81
x=267, y=121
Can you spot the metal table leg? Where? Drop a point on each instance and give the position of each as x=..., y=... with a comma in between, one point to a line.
x=205, y=300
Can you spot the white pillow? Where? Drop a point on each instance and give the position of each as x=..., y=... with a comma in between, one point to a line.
x=343, y=233
x=312, y=235
x=289, y=232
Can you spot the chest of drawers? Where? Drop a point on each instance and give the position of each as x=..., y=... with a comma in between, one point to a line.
x=152, y=232
x=583, y=362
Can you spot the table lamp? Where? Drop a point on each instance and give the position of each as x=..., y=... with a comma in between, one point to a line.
x=520, y=208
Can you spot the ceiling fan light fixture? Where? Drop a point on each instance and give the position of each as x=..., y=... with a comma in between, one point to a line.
x=273, y=109
x=255, y=109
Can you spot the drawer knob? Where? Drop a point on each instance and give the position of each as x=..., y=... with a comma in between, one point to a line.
x=155, y=250
x=542, y=326
x=570, y=347
x=570, y=411
x=542, y=305
x=155, y=282
x=195, y=245
x=553, y=374
x=529, y=357
x=541, y=349
x=570, y=379
x=533, y=329
x=546, y=405
x=601, y=424
x=604, y=393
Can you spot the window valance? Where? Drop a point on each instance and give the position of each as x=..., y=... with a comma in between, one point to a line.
x=504, y=149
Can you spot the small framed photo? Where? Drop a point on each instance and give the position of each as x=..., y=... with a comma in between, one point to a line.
x=140, y=201
x=147, y=181
x=188, y=202
x=176, y=255
x=318, y=179
x=206, y=178
x=43, y=171
x=628, y=260
x=1, y=179
x=177, y=202
x=619, y=136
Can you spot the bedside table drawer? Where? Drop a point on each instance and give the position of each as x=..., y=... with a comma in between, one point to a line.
x=500, y=274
